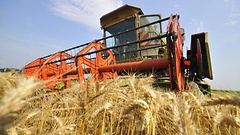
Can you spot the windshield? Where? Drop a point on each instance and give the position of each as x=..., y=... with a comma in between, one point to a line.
x=150, y=30
x=122, y=52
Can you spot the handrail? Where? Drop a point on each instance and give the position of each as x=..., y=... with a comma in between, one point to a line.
x=112, y=47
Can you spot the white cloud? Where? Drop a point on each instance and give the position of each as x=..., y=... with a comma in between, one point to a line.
x=235, y=15
x=176, y=5
x=232, y=22
x=200, y=24
x=87, y=12
x=233, y=11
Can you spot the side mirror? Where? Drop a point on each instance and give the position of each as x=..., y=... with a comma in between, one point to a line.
x=182, y=33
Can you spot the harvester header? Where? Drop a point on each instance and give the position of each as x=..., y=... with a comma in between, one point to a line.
x=132, y=42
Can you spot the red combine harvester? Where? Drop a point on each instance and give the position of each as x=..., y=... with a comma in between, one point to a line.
x=132, y=42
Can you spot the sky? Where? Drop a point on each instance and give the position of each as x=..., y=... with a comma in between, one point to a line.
x=31, y=29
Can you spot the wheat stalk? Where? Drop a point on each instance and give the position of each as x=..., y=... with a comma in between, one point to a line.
x=223, y=100
x=133, y=108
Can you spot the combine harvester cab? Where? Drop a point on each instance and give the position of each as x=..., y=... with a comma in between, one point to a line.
x=132, y=42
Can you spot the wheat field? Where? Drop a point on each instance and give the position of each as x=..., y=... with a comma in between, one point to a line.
x=123, y=106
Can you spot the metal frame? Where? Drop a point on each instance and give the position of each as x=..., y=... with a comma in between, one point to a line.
x=68, y=64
